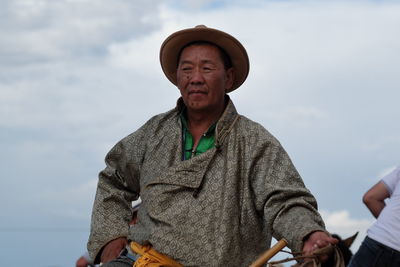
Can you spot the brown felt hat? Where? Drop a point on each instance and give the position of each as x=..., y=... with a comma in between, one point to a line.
x=173, y=45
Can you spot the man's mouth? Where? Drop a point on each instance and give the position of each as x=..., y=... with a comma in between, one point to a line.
x=195, y=92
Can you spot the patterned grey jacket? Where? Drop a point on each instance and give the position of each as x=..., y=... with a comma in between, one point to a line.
x=220, y=208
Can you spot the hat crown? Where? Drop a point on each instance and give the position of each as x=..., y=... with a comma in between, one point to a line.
x=201, y=26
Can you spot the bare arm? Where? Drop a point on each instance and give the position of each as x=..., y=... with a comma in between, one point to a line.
x=113, y=249
x=375, y=197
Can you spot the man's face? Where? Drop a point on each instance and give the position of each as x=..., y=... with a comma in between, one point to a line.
x=202, y=78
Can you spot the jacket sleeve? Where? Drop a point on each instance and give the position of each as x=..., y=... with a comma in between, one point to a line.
x=288, y=206
x=117, y=187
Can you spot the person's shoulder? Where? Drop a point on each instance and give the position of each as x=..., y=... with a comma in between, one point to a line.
x=392, y=179
x=160, y=123
x=252, y=129
x=152, y=126
x=164, y=117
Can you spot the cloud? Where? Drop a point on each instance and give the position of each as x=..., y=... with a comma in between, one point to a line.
x=342, y=223
x=386, y=171
x=380, y=143
x=194, y=5
x=87, y=73
x=299, y=116
x=38, y=31
x=137, y=54
x=54, y=51
x=76, y=76
x=76, y=200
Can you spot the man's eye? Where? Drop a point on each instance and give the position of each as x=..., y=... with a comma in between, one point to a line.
x=186, y=68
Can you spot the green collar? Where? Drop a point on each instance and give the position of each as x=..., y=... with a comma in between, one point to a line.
x=207, y=141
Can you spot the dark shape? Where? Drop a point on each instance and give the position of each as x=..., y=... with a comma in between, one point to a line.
x=344, y=248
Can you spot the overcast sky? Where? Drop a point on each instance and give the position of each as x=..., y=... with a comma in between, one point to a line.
x=76, y=76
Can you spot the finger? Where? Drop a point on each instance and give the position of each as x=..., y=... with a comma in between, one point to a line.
x=321, y=243
x=334, y=240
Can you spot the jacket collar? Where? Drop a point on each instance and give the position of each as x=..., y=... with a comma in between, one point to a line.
x=224, y=124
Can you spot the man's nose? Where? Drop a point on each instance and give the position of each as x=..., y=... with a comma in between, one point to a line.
x=196, y=77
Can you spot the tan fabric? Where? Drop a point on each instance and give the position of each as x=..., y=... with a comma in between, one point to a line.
x=151, y=258
x=220, y=208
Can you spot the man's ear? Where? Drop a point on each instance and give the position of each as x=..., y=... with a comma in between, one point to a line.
x=230, y=77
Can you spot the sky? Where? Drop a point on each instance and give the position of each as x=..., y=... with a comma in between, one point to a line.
x=76, y=76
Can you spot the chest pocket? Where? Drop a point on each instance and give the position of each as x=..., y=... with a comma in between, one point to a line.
x=176, y=187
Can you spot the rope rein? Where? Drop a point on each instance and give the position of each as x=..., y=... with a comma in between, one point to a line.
x=314, y=258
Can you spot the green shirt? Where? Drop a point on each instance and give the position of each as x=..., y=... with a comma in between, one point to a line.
x=206, y=142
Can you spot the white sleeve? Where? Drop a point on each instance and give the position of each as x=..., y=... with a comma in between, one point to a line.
x=392, y=179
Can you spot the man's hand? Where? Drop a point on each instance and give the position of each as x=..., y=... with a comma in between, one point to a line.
x=82, y=262
x=113, y=249
x=317, y=240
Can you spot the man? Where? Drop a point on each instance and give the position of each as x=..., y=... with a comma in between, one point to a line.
x=381, y=246
x=215, y=186
x=85, y=260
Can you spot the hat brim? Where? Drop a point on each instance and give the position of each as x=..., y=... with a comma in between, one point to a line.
x=173, y=45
